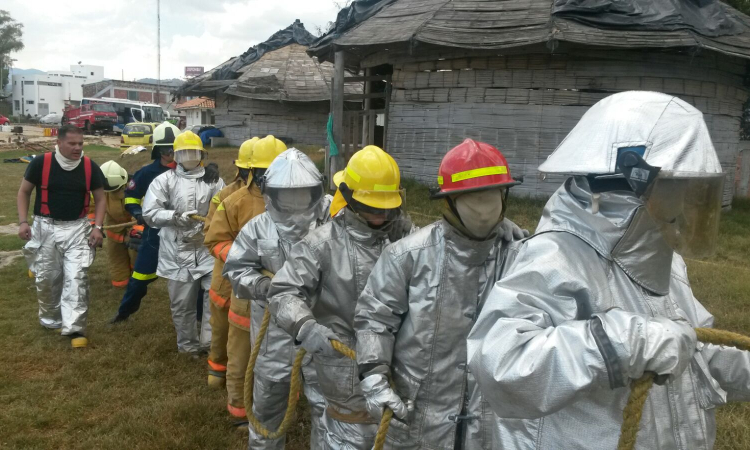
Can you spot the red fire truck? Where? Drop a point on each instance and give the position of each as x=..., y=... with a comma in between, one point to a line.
x=91, y=117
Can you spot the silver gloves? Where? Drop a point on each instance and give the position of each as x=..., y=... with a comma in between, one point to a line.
x=510, y=231
x=181, y=218
x=379, y=395
x=649, y=344
x=316, y=338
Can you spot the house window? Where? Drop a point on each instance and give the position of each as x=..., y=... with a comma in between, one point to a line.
x=29, y=102
x=49, y=83
x=29, y=82
x=92, y=74
x=133, y=95
x=16, y=105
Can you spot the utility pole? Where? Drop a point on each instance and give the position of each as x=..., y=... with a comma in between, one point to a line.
x=158, y=50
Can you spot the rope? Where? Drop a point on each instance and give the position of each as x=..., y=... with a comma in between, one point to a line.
x=296, y=385
x=197, y=217
x=631, y=415
x=120, y=225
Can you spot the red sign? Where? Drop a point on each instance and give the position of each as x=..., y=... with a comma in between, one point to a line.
x=193, y=71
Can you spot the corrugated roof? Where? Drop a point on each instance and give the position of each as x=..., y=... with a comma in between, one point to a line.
x=200, y=102
x=498, y=24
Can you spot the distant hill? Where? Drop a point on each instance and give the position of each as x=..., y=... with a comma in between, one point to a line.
x=174, y=82
x=17, y=71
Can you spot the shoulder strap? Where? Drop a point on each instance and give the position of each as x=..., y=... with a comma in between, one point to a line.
x=44, y=208
x=87, y=195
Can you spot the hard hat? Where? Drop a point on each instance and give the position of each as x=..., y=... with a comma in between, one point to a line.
x=188, y=141
x=115, y=176
x=472, y=166
x=371, y=178
x=245, y=154
x=164, y=136
x=264, y=151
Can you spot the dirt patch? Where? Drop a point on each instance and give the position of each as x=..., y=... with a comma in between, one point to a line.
x=37, y=142
x=11, y=228
x=7, y=258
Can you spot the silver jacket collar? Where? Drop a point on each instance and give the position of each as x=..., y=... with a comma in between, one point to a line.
x=359, y=230
x=467, y=251
x=192, y=174
x=622, y=231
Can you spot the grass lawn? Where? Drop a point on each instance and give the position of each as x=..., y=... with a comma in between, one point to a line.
x=130, y=388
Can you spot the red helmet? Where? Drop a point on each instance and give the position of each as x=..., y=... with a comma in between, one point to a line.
x=473, y=166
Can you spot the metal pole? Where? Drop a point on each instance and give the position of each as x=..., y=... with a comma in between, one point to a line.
x=158, y=49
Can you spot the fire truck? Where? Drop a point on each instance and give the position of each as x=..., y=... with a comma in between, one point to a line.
x=91, y=117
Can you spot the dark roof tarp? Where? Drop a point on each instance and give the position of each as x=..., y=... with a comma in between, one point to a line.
x=358, y=11
x=293, y=34
x=705, y=17
x=221, y=76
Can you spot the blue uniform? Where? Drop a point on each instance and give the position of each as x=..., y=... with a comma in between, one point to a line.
x=144, y=271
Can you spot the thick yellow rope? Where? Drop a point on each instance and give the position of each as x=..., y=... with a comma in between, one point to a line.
x=120, y=225
x=631, y=415
x=296, y=385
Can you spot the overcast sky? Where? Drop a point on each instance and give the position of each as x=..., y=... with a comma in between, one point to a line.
x=121, y=35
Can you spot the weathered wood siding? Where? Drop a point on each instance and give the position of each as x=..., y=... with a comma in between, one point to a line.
x=300, y=123
x=526, y=104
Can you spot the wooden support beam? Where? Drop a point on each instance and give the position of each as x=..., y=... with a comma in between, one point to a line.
x=337, y=108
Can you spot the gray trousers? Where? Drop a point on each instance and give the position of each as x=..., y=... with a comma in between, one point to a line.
x=270, y=400
x=59, y=256
x=348, y=436
x=183, y=297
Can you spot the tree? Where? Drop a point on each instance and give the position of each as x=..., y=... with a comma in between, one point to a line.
x=11, y=33
x=740, y=5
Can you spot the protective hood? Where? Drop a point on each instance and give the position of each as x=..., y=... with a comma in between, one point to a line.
x=293, y=190
x=621, y=231
x=292, y=169
x=672, y=131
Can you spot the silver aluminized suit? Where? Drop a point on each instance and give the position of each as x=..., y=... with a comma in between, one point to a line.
x=59, y=256
x=322, y=278
x=183, y=259
x=414, y=315
x=262, y=245
x=535, y=349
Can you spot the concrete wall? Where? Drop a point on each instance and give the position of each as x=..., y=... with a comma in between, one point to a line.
x=299, y=123
x=526, y=104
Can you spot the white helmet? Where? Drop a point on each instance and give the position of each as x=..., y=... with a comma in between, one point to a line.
x=115, y=176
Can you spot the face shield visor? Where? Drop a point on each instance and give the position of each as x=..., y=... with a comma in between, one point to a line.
x=293, y=209
x=189, y=159
x=687, y=208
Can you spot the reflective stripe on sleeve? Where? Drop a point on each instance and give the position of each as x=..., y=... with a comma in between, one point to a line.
x=144, y=276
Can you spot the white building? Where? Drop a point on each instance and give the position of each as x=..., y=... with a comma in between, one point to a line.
x=39, y=95
x=197, y=111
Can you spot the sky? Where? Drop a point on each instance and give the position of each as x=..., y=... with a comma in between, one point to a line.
x=121, y=35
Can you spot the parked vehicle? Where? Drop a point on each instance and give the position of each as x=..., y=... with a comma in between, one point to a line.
x=90, y=117
x=51, y=119
x=129, y=111
x=4, y=120
x=137, y=133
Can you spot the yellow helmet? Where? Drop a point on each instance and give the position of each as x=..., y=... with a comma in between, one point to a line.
x=245, y=155
x=188, y=141
x=265, y=151
x=373, y=178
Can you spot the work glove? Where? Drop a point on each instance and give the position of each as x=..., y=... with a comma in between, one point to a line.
x=510, y=231
x=662, y=345
x=262, y=287
x=210, y=173
x=316, y=338
x=134, y=241
x=379, y=395
x=139, y=219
